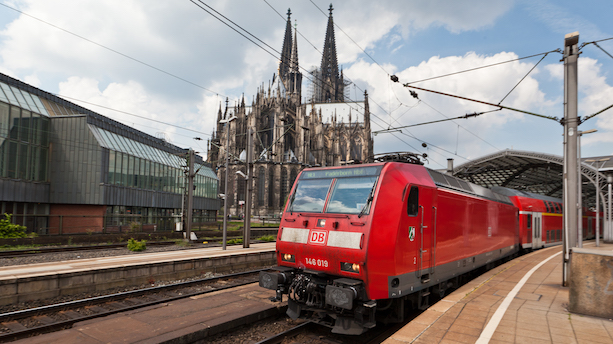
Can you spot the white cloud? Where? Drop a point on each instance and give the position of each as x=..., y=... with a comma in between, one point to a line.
x=181, y=39
x=488, y=84
x=595, y=94
x=136, y=108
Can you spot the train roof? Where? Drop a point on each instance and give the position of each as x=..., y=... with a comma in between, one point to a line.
x=450, y=182
x=513, y=192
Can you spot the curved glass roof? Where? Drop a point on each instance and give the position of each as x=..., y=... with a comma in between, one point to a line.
x=23, y=99
x=123, y=144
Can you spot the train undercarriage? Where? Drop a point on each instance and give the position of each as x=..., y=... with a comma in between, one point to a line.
x=339, y=303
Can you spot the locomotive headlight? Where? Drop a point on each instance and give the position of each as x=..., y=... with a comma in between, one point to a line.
x=286, y=257
x=350, y=267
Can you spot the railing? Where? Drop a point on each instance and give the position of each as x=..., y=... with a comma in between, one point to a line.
x=60, y=224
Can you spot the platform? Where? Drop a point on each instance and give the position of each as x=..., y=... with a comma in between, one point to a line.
x=38, y=281
x=505, y=305
x=183, y=321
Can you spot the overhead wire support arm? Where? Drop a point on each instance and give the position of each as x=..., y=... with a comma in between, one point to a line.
x=468, y=115
x=481, y=102
x=595, y=114
x=522, y=79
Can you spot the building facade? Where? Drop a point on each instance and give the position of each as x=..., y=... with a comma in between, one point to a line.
x=66, y=169
x=289, y=135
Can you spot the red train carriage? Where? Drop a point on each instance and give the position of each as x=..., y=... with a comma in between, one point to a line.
x=371, y=239
x=540, y=218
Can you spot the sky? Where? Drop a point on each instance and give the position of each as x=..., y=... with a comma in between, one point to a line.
x=149, y=64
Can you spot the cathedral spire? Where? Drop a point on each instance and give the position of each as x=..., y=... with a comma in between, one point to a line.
x=286, y=51
x=331, y=86
x=294, y=58
x=368, y=149
x=295, y=77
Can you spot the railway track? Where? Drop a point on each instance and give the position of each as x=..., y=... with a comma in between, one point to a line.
x=312, y=333
x=43, y=250
x=30, y=322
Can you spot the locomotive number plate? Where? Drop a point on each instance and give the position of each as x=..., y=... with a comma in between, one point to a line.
x=321, y=263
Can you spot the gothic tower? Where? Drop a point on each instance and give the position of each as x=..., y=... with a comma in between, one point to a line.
x=289, y=135
x=329, y=83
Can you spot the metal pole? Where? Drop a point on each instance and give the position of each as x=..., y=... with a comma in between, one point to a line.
x=190, y=195
x=579, y=193
x=225, y=199
x=598, y=208
x=571, y=54
x=610, y=227
x=565, y=257
x=249, y=160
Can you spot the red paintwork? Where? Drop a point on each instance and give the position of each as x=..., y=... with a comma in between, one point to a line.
x=466, y=226
x=552, y=220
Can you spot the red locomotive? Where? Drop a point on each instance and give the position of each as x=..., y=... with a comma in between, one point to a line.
x=362, y=243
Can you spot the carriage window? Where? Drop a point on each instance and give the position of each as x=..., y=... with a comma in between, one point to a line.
x=413, y=202
x=529, y=221
x=548, y=207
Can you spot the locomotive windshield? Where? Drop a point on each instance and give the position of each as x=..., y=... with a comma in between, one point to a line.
x=348, y=190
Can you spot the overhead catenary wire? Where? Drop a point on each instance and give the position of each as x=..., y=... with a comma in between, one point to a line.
x=483, y=102
x=522, y=79
x=112, y=50
x=482, y=67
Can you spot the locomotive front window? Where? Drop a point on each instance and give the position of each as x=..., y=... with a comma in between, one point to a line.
x=351, y=195
x=310, y=195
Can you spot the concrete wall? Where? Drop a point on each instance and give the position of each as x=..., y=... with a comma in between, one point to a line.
x=591, y=282
x=14, y=290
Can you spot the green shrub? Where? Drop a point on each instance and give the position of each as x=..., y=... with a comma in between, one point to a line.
x=267, y=238
x=134, y=226
x=234, y=241
x=137, y=246
x=10, y=230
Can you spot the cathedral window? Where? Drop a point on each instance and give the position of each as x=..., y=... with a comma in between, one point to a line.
x=271, y=187
x=283, y=187
x=261, y=186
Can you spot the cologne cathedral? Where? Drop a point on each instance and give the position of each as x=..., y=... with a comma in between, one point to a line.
x=289, y=134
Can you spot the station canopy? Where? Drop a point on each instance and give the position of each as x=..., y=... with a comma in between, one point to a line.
x=534, y=172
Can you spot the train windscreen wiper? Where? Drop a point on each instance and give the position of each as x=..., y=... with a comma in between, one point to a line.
x=291, y=204
x=370, y=197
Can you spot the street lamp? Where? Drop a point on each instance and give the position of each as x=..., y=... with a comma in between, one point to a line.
x=604, y=161
x=225, y=202
x=579, y=191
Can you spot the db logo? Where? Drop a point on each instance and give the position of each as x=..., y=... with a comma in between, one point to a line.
x=317, y=237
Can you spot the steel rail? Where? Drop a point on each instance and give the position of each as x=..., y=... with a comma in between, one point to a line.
x=278, y=338
x=11, y=316
x=43, y=250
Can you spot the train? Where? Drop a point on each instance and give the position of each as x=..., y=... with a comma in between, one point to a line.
x=364, y=243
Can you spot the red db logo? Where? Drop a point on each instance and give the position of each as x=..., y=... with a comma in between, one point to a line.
x=317, y=237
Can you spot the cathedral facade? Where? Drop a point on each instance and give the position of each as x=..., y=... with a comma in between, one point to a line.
x=288, y=135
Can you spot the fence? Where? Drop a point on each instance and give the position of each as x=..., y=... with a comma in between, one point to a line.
x=72, y=224
x=88, y=224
